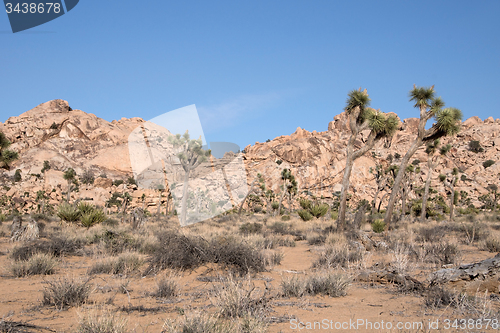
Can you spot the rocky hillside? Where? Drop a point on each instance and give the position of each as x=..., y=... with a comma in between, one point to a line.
x=67, y=138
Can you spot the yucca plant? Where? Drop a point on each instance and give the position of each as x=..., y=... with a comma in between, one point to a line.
x=361, y=118
x=68, y=213
x=318, y=210
x=304, y=203
x=85, y=207
x=305, y=215
x=92, y=217
x=447, y=124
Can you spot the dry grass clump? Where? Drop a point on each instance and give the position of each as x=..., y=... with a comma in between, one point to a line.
x=315, y=238
x=437, y=297
x=491, y=244
x=167, y=287
x=329, y=284
x=105, y=322
x=38, y=264
x=444, y=253
x=66, y=292
x=237, y=299
x=401, y=259
x=56, y=246
x=179, y=251
x=338, y=256
x=125, y=263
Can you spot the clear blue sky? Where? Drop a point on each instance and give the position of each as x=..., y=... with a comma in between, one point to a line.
x=254, y=69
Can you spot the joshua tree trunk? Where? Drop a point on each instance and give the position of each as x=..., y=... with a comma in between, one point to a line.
x=246, y=196
x=343, y=193
x=426, y=191
x=158, y=212
x=451, y=186
x=380, y=186
x=380, y=203
x=184, y=199
x=167, y=205
x=282, y=196
x=399, y=178
x=69, y=191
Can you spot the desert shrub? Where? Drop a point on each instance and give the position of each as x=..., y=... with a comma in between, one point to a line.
x=315, y=238
x=2, y=218
x=272, y=258
x=166, y=288
x=68, y=213
x=178, y=251
x=66, y=292
x=280, y=228
x=118, y=182
x=111, y=222
x=87, y=177
x=200, y=323
x=116, y=242
x=437, y=297
x=38, y=264
x=285, y=218
x=56, y=246
x=131, y=181
x=235, y=299
x=475, y=146
x=125, y=263
x=17, y=176
x=492, y=244
x=488, y=163
x=293, y=286
x=93, y=217
x=251, y=228
x=442, y=253
x=101, y=323
x=329, y=284
x=239, y=257
x=275, y=205
x=378, y=226
x=305, y=215
x=336, y=256
x=189, y=252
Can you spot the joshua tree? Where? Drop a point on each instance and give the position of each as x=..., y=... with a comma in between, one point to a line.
x=69, y=175
x=143, y=198
x=256, y=185
x=450, y=181
x=494, y=190
x=288, y=180
x=431, y=164
x=362, y=118
x=447, y=123
x=191, y=155
x=6, y=156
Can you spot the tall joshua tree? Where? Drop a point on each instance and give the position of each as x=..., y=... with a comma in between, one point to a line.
x=191, y=155
x=450, y=181
x=6, y=156
x=432, y=147
x=447, y=124
x=69, y=175
x=362, y=118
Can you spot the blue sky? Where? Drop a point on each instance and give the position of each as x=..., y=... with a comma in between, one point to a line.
x=256, y=69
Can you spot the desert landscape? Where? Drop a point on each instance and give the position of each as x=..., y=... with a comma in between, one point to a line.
x=314, y=245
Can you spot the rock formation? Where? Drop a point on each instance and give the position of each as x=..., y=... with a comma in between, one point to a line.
x=67, y=138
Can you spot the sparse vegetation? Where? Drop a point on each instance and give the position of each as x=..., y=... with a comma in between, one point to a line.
x=66, y=292
x=38, y=264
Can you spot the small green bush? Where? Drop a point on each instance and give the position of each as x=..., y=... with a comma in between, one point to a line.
x=17, y=176
x=488, y=163
x=285, y=218
x=378, y=226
